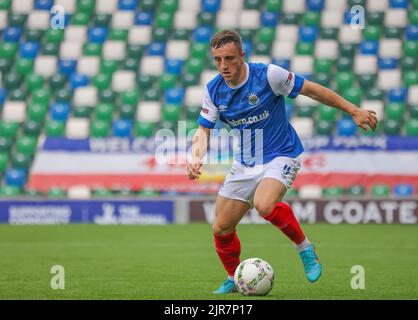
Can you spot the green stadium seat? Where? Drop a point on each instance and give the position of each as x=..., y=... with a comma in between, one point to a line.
x=167, y=81
x=410, y=48
x=34, y=35
x=102, y=20
x=127, y=111
x=190, y=79
x=412, y=127
x=171, y=112
x=354, y=95
x=104, y=111
x=374, y=18
x=21, y=161
x=8, y=50
x=23, y=66
x=16, y=20
x=374, y=94
x=306, y=111
x=32, y=128
x=333, y=192
x=41, y=96
x=393, y=33
x=5, y=65
x=26, y=145
x=80, y=19
x=101, y=192
x=327, y=113
x=135, y=51
x=413, y=111
x=413, y=17
x=324, y=127
x=322, y=78
x=107, y=95
x=345, y=64
x=5, y=144
x=380, y=190
x=8, y=129
x=195, y=66
x=208, y=19
x=130, y=64
x=164, y=20
x=37, y=111
x=366, y=81
x=54, y=35
x=344, y=80
x=143, y=129
x=347, y=50
x=118, y=34
x=50, y=49
x=56, y=192
x=99, y=128
x=12, y=80
x=18, y=94
x=262, y=49
x=108, y=66
x=395, y=111
x=311, y=18
x=290, y=18
x=192, y=112
x=323, y=65
x=372, y=33
x=356, y=190
x=392, y=127
x=160, y=34
x=148, y=5
x=170, y=125
x=265, y=35
x=57, y=81
x=181, y=34
x=328, y=33
x=9, y=191
x=34, y=81
x=410, y=78
x=305, y=48
x=145, y=81
x=152, y=95
x=4, y=162
x=101, y=81
x=5, y=4
x=92, y=49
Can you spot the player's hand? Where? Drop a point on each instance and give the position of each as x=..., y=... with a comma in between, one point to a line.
x=365, y=119
x=193, y=169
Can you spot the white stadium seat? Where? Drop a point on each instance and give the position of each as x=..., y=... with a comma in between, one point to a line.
x=397, y=18
x=123, y=19
x=75, y=33
x=148, y=111
x=390, y=48
x=227, y=19
x=365, y=64
x=189, y=5
x=45, y=65
x=260, y=59
x=413, y=94
x=85, y=96
x=69, y=6
x=22, y=6
x=152, y=65
x=71, y=50
x=249, y=19
x=375, y=105
x=38, y=20
x=77, y=128
x=114, y=50
x=14, y=111
x=294, y=6
x=388, y=79
x=303, y=126
x=302, y=64
x=347, y=34
x=332, y=18
x=107, y=6
x=185, y=20
x=3, y=19
x=377, y=5
x=88, y=65
x=193, y=96
x=79, y=192
x=207, y=75
x=336, y=4
x=236, y=5
x=283, y=49
x=177, y=49
x=326, y=49
x=140, y=35
x=123, y=80
x=310, y=191
x=287, y=32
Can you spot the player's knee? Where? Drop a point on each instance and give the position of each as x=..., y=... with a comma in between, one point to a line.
x=220, y=229
x=264, y=207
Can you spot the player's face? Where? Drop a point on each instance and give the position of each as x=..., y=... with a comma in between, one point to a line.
x=230, y=63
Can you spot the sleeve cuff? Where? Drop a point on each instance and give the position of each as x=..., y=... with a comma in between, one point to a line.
x=297, y=86
x=205, y=123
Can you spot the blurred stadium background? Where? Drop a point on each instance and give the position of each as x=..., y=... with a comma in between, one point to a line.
x=81, y=104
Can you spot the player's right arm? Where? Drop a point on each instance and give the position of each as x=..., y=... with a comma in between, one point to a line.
x=200, y=142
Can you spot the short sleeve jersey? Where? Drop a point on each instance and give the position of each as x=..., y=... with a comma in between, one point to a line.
x=255, y=107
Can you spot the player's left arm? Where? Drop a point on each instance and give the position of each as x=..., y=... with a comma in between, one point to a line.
x=362, y=117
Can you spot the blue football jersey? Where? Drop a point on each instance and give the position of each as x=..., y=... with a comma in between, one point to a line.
x=256, y=109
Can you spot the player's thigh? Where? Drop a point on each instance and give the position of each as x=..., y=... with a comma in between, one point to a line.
x=268, y=193
x=228, y=213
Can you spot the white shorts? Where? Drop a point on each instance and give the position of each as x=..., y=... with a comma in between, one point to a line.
x=241, y=182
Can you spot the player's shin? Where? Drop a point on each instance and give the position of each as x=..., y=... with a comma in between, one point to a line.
x=282, y=217
x=228, y=248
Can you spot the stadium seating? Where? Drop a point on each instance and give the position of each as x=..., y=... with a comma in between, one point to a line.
x=128, y=68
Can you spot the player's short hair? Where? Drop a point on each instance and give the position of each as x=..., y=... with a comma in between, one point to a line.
x=226, y=36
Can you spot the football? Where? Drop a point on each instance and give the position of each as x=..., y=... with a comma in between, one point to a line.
x=254, y=277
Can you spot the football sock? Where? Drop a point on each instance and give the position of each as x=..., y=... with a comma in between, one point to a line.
x=283, y=218
x=228, y=248
x=303, y=246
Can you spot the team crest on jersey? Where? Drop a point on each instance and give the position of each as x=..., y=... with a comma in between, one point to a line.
x=222, y=107
x=253, y=99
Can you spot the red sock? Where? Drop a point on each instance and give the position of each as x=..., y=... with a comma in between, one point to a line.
x=228, y=248
x=283, y=218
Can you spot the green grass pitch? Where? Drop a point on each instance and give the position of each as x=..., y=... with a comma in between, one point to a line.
x=179, y=261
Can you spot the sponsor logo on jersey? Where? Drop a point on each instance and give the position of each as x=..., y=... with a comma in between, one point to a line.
x=205, y=110
x=222, y=108
x=250, y=120
x=253, y=99
x=289, y=78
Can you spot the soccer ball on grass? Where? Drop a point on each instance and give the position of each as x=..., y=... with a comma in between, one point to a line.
x=254, y=277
